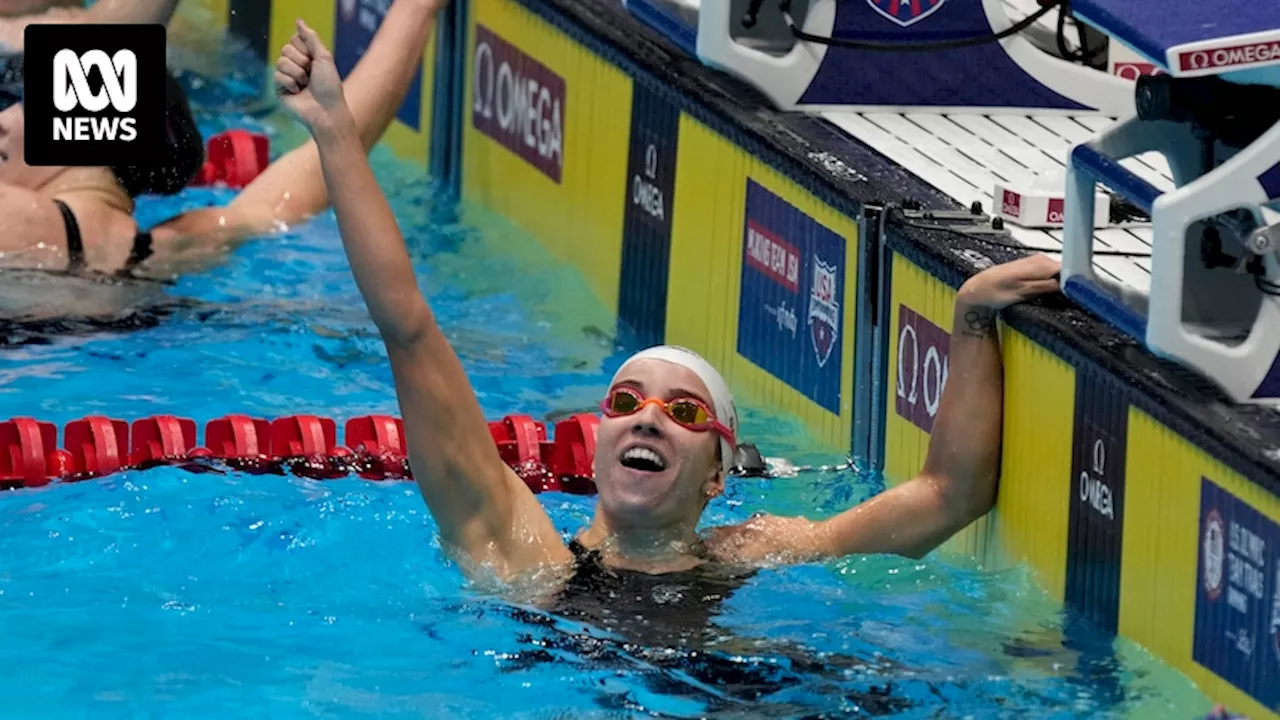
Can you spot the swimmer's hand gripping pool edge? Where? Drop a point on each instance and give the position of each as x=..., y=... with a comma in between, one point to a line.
x=958, y=482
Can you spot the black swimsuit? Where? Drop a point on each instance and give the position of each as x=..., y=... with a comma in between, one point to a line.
x=75, y=246
x=655, y=610
x=662, y=631
x=38, y=303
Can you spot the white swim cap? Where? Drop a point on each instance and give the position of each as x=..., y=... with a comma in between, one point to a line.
x=721, y=398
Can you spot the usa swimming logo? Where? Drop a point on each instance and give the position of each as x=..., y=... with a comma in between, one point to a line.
x=824, y=310
x=789, y=309
x=906, y=12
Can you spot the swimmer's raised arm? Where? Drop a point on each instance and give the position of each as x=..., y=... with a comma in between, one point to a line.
x=485, y=512
x=128, y=11
x=13, y=29
x=292, y=188
x=958, y=482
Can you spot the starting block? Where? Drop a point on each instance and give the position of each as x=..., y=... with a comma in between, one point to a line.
x=1212, y=109
x=754, y=40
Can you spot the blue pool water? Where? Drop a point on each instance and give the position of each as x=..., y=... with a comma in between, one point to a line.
x=168, y=593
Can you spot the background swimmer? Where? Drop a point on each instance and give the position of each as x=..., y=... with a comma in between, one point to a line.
x=670, y=424
x=80, y=220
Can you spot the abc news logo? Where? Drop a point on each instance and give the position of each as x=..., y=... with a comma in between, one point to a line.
x=94, y=94
x=71, y=92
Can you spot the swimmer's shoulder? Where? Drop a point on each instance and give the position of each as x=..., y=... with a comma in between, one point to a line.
x=29, y=220
x=766, y=539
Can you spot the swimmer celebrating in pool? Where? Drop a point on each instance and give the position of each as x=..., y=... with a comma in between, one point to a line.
x=668, y=434
x=78, y=221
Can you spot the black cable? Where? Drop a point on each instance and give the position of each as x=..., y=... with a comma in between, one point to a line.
x=1212, y=257
x=1266, y=287
x=1124, y=211
x=1010, y=245
x=1084, y=56
x=1014, y=29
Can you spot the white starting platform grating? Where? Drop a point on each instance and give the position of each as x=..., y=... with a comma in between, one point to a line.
x=966, y=156
x=963, y=119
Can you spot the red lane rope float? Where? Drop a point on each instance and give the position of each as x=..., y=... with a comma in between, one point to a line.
x=234, y=158
x=305, y=445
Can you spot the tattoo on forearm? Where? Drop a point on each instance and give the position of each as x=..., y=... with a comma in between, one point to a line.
x=979, y=324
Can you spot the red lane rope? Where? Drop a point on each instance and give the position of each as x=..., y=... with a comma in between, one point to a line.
x=305, y=445
x=233, y=159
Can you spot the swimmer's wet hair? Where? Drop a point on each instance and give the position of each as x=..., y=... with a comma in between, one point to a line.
x=183, y=153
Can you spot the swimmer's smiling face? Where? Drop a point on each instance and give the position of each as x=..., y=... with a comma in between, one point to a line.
x=634, y=490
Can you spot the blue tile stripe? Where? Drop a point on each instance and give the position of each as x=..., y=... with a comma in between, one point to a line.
x=648, y=216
